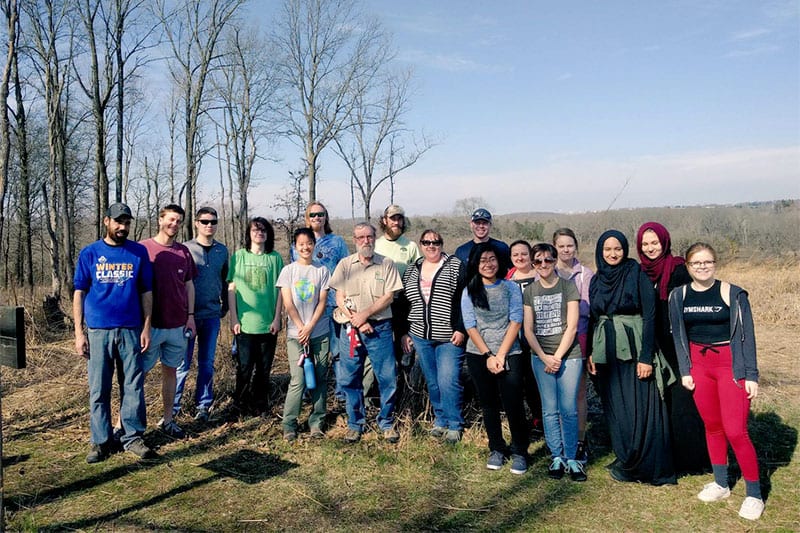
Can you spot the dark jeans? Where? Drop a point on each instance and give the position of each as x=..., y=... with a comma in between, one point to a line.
x=256, y=352
x=496, y=390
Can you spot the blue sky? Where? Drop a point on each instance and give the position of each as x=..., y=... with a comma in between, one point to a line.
x=553, y=106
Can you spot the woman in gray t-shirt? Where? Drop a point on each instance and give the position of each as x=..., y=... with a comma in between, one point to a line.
x=491, y=308
x=551, y=309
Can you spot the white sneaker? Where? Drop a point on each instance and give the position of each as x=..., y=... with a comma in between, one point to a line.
x=713, y=493
x=751, y=508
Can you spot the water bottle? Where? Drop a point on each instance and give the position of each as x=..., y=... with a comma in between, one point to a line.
x=308, y=371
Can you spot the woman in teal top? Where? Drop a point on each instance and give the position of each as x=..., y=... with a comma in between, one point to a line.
x=255, y=313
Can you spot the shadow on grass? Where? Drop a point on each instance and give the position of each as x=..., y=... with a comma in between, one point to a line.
x=27, y=501
x=775, y=443
x=247, y=466
x=498, y=510
x=18, y=429
x=10, y=460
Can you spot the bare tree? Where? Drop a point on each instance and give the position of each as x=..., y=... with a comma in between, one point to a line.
x=52, y=36
x=465, y=206
x=98, y=89
x=374, y=148
x=193, y=30
x=104, y=30
x=290, y=205
x=329, y=52
x=246, y=88
x=10, y=12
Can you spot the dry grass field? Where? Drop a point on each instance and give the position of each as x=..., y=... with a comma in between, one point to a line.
x=239, y=475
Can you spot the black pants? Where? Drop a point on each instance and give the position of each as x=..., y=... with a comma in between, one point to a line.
x=501, y=390
x=256, y=352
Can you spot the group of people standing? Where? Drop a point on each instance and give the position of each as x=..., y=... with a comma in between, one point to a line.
x=528, y=322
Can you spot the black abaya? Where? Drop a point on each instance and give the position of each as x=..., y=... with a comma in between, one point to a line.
x=689, y=450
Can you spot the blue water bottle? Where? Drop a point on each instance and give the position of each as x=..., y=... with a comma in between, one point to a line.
x=308, y=370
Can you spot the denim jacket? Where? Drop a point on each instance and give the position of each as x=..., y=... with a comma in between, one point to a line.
x=742, y=342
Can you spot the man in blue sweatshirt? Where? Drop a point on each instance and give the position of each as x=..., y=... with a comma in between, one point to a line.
x=113, y=293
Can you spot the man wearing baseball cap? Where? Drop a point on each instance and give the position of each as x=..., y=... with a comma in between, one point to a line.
x=113, y=293
x=481, y=224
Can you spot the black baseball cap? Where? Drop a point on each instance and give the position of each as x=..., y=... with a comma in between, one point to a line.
x=481, y=214
x=118, y=210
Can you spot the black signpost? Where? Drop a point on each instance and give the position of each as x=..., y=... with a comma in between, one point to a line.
x=12, y=354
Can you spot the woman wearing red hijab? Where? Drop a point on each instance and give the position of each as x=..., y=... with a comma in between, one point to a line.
x=667, y=271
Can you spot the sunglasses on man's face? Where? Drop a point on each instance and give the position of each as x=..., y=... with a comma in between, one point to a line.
x=207, y=222
x=316, y=214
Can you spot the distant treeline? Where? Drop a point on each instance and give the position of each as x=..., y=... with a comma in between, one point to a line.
x=756, y=231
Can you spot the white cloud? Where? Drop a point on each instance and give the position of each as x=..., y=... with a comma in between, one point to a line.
x=569, y=185
x=449, y=62
x=745, y=35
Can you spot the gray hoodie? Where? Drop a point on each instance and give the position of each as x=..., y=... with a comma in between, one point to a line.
x=743, y=339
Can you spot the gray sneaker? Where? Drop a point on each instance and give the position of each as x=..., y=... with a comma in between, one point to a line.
x=201, y=415
x=352, y=436
x=99, y=453
x=519, y=465
x=171, y=428
x=138, y=448
x=496, y=460
x=452, y=436
x=391, y=435
x=437, y=432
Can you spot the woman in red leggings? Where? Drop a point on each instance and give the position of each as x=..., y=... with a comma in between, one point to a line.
x=713, y=331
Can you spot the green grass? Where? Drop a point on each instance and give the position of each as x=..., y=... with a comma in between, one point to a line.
x=242, y=476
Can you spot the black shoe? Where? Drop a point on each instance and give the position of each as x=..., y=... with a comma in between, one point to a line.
x=576, y=471
x=556, y=469
x=582, y=454
x=99, y=453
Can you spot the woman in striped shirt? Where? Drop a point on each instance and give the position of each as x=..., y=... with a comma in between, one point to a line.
x=433, y=286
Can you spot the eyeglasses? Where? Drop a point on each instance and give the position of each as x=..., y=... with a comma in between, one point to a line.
x=363, y=238
x=548, y=260
x=488, y=260
x=207, y=222
x=701, y=264
x=316, y=214
x=425, y=242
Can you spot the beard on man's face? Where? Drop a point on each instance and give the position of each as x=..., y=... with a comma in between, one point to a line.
x=366, y=250
x=118, y=236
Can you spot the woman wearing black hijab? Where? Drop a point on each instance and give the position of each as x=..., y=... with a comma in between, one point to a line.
x=631, y=376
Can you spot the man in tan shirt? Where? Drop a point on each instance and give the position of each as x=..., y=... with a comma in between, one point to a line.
x=366, y=284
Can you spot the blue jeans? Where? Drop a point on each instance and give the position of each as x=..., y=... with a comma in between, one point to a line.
x=378, y=346
x=441, y=363
x=105, y=347
x=559, y=394
x=207, y=333
x=335, y=349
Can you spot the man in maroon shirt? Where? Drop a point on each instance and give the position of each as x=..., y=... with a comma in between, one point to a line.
x=173, y=307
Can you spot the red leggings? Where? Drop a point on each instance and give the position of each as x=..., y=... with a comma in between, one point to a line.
x=723, y=405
